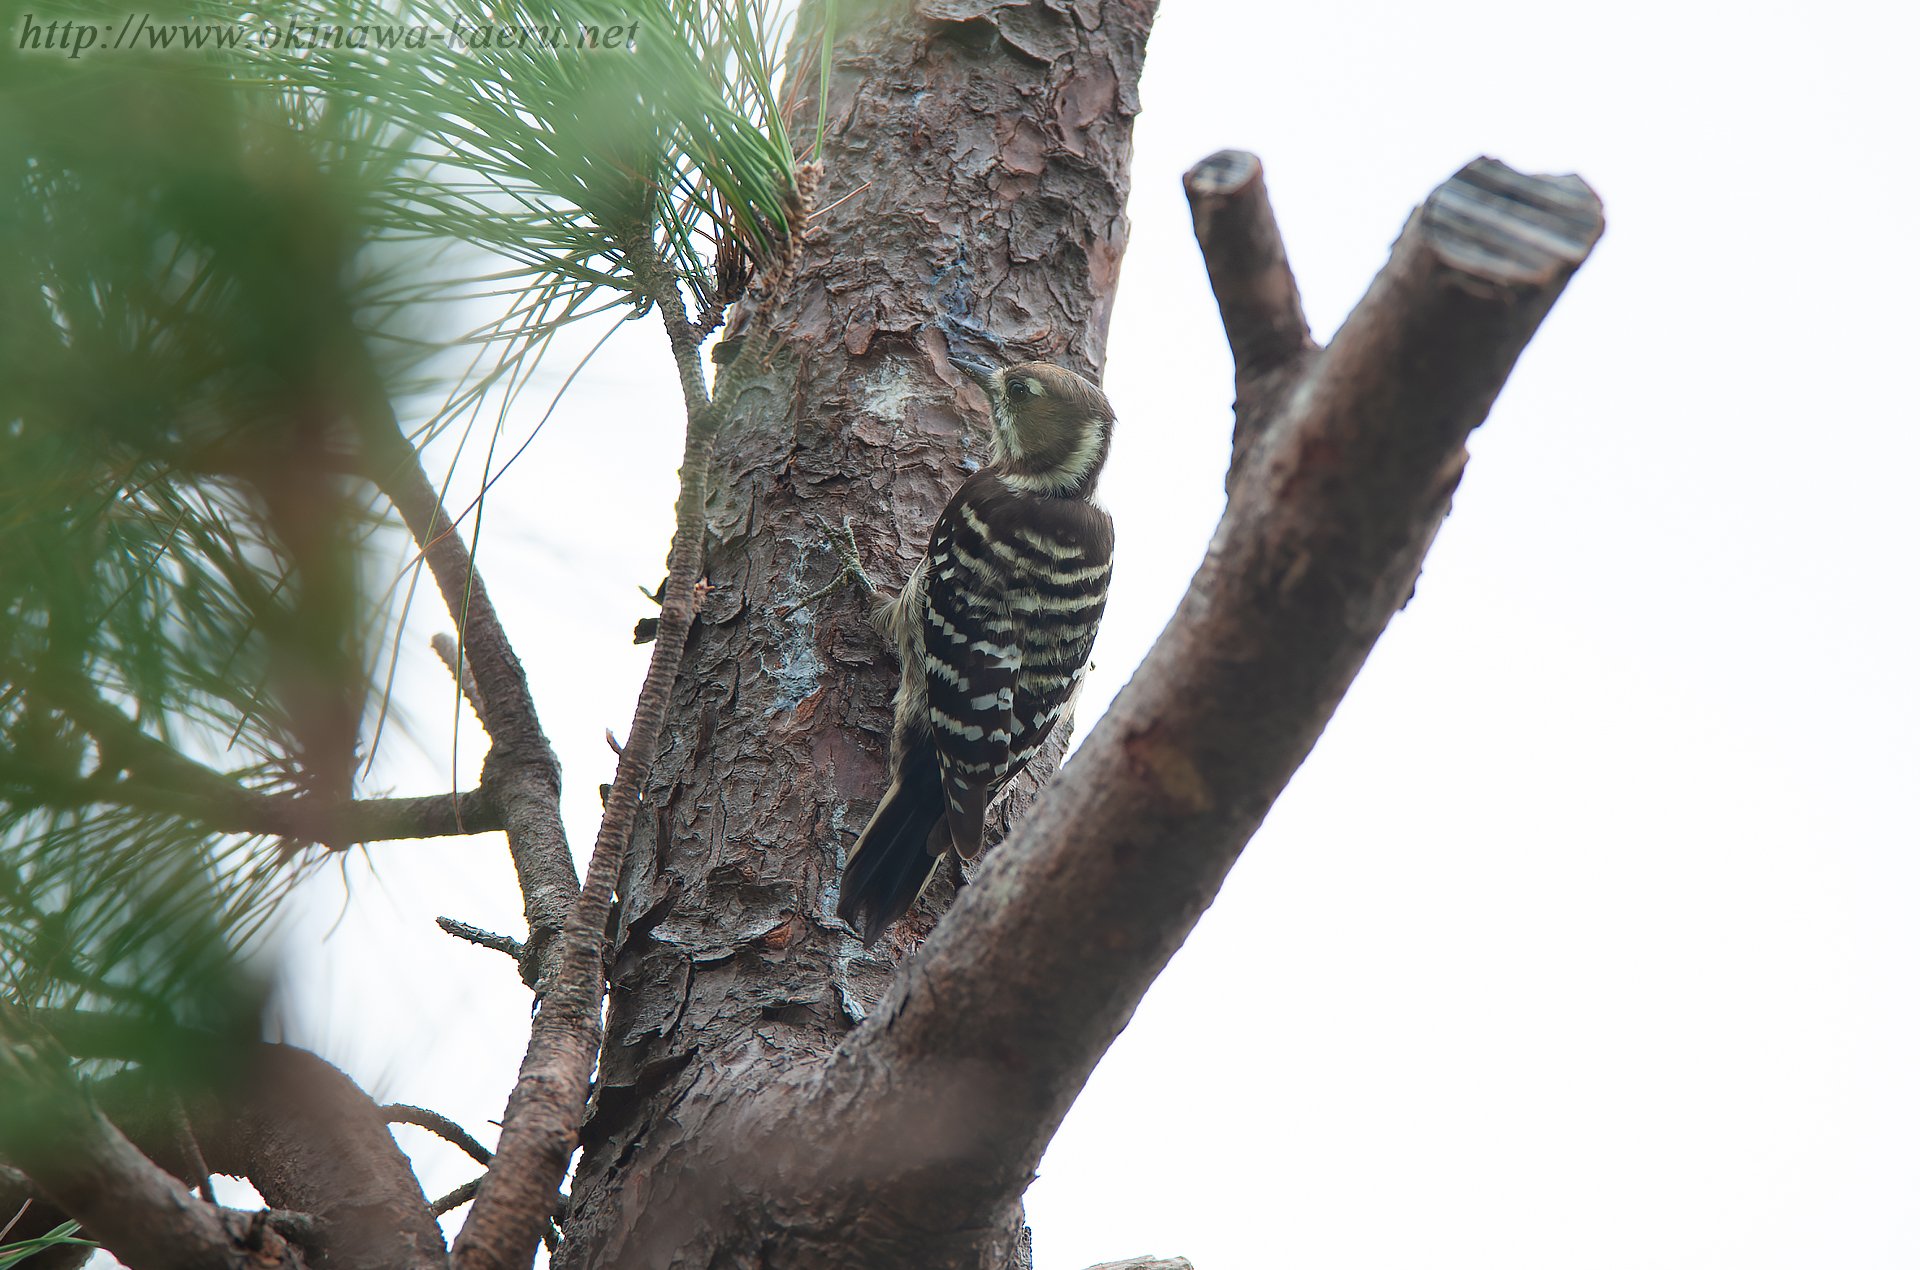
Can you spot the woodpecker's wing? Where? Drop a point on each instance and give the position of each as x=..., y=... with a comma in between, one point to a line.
x=1065, y=593
x=1059, y=554
x=973, y=663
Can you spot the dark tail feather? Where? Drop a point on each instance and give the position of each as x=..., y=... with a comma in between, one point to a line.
x=889, y=865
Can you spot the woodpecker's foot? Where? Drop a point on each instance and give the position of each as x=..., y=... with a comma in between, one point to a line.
x=851, y=570
x=842, y=540
x=839, y=583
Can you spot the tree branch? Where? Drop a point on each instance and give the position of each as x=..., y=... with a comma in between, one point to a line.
x=521, y=773
x=942, y=1102
x=386, y=819
x=32, y=1213
x=1253, y=283
x=297, y=816
x=88, y=1168
x=484, y=938
x=541, y=1126
x=161, y=779
x=449, y=654
x=313, y=1144
x=435, y=1123
x=538, y=1133
x=1247, y=263
x=188, y=1147
x=459, y=1195
x=542, y=1123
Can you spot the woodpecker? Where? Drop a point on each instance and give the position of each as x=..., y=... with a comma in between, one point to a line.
x=993, y=628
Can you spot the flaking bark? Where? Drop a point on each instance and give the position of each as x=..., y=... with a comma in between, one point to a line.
x=910, y=1143
x=985, y=150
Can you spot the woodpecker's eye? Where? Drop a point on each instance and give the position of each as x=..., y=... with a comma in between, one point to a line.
x=1017, y=389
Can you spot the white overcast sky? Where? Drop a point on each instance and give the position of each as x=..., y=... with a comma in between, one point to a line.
x=1589, y=935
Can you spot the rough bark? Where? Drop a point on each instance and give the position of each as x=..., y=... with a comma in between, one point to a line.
x=911, y=1142
x=515, y=1199
x=985, y=151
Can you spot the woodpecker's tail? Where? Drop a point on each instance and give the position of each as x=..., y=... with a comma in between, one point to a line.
x=889, y=865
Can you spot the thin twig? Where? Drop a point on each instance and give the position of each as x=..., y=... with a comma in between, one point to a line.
x=843, y=198
x=189, y=1148
x=455, y=1197
x=435, y=1123
x=485, y=938
x=549, y=1234
x=449, y=653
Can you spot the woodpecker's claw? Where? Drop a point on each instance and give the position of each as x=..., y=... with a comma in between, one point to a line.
x=851, y=569
x=842, y=540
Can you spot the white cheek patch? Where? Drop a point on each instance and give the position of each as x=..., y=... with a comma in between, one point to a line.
x=1006, y=438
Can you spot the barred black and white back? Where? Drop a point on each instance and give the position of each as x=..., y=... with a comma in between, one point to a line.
x=994, y=628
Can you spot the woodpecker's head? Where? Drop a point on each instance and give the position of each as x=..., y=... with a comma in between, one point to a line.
x=1051, y=428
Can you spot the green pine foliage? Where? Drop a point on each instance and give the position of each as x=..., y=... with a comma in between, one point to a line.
x=175, y=567
x=64, y=1234
x=215, y=267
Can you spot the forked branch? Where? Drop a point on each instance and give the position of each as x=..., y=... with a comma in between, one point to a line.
x=80, y=1161
x=933, y=1114
x=315, y=1146
x=521, y=775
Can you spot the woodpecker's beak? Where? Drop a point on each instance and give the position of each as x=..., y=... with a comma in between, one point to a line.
x=979, y=370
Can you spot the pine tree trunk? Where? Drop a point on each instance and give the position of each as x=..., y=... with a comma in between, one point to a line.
x=976, y=179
